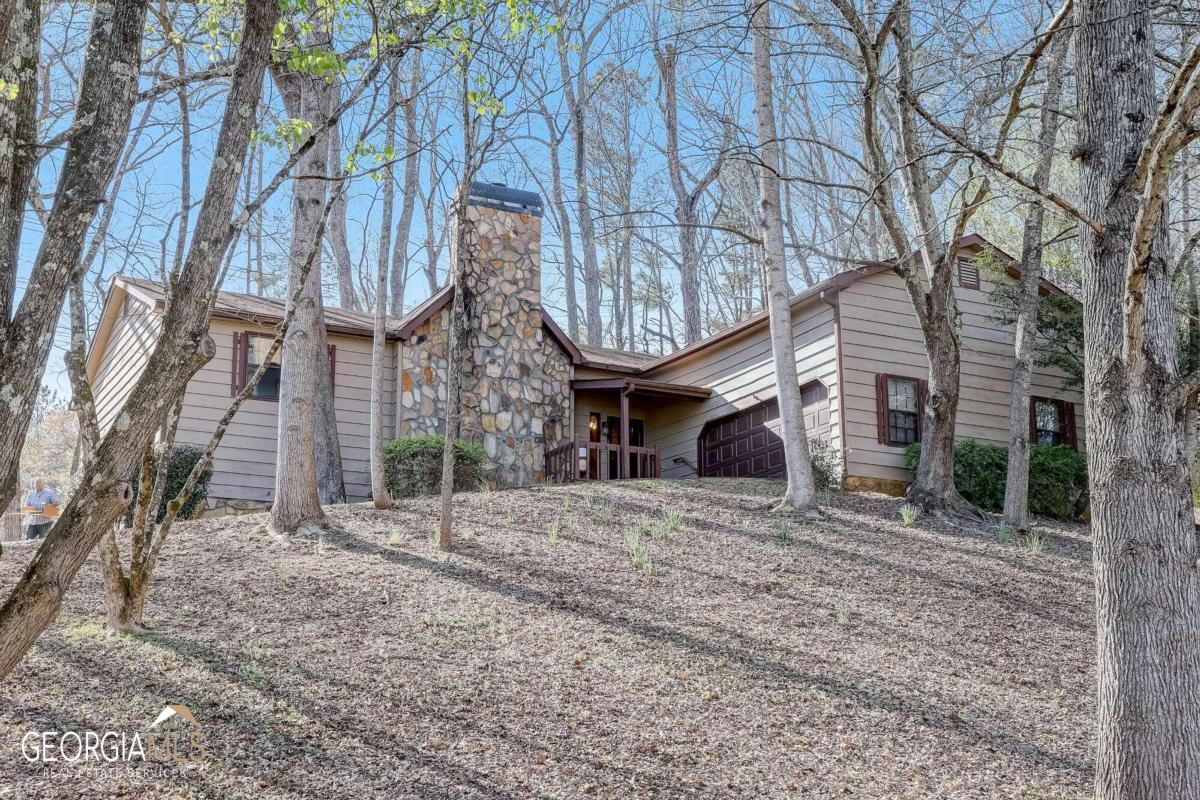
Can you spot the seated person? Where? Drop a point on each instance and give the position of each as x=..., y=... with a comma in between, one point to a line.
x=37, y=523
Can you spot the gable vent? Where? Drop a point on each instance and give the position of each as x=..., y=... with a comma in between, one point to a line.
x=968, y=274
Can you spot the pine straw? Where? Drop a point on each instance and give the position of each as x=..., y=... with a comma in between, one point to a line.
x=849, y=657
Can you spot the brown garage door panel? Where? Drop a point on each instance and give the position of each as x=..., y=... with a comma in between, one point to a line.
x=746, y=444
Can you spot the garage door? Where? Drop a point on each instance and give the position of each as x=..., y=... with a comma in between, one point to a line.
x=747, y=444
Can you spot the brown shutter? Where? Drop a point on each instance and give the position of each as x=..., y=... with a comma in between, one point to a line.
x=1068, y=421
x=332, y=365
x=235, y=371
x=881, y=415
x=1032, y=420
x=922, y=391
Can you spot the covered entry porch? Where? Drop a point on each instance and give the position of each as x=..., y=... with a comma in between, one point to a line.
x=610, y=429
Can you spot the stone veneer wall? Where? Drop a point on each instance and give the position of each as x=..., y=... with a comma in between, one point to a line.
x=556, y=389
x=516, y=392
x=504, y=399
x=423, y=377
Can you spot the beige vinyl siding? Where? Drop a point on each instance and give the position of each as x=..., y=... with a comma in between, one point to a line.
x=741, y=374
x=880, y=334
x=244, y=466
x=125, y=355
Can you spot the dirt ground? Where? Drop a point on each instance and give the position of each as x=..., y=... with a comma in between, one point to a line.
x=851, y=657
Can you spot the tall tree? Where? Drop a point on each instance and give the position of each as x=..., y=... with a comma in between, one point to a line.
x=18, y=134
x=107, y=96
x=379, y=490
x=1143, y=527
x=182, y=347
x=412, y=182
x=801, y=488
x=1016, y=487
x=687, y=197
x=577, y=35
x=296, y=503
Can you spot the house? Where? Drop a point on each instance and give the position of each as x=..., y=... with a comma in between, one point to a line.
x=548, y=408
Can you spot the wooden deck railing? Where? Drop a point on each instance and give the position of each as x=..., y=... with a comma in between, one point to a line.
x=598, y=461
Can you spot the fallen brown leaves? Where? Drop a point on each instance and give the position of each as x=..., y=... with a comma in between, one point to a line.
x=858, y=658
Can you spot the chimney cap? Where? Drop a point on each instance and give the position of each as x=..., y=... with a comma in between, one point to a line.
x=504, y=198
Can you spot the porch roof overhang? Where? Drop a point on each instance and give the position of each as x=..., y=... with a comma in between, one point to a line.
x=676, y=391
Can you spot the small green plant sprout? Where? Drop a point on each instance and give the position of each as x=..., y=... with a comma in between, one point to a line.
x=552, y=532
x=639, y=553
x=909, y=514
x=1035, y=543
x=783, y=531
x=284, y=572
x=672, y=521
x=567, y=504
x=647, y=527
x=511, y=516
x=1004, y=533
x=321, y=546
x=843, y=612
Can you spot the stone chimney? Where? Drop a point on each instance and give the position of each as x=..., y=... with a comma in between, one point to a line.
x=502, y=393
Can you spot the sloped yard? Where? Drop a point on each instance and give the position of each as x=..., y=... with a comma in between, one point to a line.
x=854, y=657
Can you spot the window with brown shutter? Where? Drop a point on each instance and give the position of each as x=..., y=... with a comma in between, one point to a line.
x=968, y=274
x=248, y=351
x=236, y=362
x=1052, y=422
x=899, y=407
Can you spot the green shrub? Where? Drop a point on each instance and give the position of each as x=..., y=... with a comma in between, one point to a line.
x=183, y=458
x=413, y=466
x=826, y=465
x=1057, y=476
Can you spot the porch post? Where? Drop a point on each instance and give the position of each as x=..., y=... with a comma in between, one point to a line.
x=623, y=467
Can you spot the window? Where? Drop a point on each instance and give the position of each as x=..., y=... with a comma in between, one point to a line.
x=899, y=403
x=257, y=348
x=1051, y=421
x=903, y=422
x=249, y=350
x=968, y=274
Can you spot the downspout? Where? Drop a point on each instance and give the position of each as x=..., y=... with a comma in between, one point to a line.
x=830, y=297
x=399, y=390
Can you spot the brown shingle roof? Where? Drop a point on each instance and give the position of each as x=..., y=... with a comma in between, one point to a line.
x=609, y=358
x=266, y=310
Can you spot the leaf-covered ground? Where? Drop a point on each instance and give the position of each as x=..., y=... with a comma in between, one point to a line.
x=851, y=657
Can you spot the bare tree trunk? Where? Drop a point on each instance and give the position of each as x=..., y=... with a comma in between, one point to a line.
x=1143, y=529
x=331, y=481
x=107, y=95
x=412, y=181
x=182, y=347
x=379, y=490
x=18, y=134
x=338, y=239
x=1016, y=487
x=563, y=221
x=801, y=489
x=574, y=88
x=297, y=501
x=686, y=200
x=454, y=367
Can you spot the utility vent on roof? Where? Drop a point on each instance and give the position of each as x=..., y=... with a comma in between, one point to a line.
x=968, y=274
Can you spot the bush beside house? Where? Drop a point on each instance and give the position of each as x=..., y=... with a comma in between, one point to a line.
x=413, y=466
x=1057, y=477
x=183, y=458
